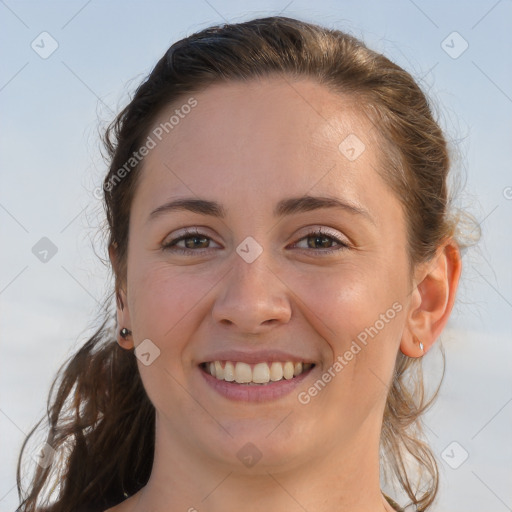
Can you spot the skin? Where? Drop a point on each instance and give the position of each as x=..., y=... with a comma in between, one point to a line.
x=248, y=146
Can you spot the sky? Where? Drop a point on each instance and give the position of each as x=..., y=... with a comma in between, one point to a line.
x=68, y=67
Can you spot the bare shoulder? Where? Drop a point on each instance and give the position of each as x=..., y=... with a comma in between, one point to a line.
x=121, y=507
x=125, y=506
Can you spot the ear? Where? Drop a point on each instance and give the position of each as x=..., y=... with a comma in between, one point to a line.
x=432, y=299
x=123, y=312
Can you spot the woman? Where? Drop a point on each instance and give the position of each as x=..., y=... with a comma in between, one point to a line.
x=284, y=256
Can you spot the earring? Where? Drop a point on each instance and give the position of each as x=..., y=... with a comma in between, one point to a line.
x=124, y=332
x=416, y=340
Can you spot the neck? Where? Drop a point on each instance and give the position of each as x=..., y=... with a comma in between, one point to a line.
x=338, y=479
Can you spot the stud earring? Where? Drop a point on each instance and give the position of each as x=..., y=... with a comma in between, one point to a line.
x=421, y=346
x=124, y=332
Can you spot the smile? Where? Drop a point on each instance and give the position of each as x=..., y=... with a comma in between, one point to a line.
x=257, y=374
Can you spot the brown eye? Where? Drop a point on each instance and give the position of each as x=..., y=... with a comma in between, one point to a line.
x=193, y=241
x=322, y=242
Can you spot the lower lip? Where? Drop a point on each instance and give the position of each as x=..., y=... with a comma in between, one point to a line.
x=256, y=392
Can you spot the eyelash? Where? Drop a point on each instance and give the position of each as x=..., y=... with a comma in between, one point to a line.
x=171, y=246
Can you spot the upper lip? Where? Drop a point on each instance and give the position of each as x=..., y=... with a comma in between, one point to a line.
x=256, y=357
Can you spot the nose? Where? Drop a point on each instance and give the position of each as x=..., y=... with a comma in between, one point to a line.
x=253, y=298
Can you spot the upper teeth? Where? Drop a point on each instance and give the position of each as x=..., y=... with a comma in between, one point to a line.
x=261, y=373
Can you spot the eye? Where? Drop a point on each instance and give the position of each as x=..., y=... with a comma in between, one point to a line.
x=321, y=240
x=194, y=241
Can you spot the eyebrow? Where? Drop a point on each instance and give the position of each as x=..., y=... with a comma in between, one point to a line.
x=285, y=207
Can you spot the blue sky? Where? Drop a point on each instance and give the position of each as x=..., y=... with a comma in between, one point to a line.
x=51, y=109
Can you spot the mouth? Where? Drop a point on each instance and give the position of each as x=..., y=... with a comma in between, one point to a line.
x=259, y=374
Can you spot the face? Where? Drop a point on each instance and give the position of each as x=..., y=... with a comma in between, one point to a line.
x=263, y=275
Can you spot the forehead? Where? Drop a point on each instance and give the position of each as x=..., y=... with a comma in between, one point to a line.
x=262, y=137
x=266, y=112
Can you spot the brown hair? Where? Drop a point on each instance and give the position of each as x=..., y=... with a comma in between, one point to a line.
x=100, y=418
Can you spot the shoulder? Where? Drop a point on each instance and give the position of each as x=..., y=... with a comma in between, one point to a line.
x=87, y=508
x=82, y=508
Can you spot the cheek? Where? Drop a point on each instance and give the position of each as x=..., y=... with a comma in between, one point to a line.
x=359, y=312
x=360, y=315
x=345, y=300
x=164, y=298
x=165, y=306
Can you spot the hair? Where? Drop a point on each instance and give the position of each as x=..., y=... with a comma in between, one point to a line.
x=101, y=421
